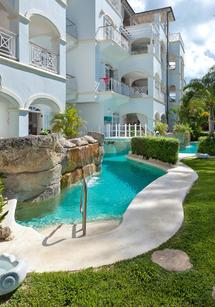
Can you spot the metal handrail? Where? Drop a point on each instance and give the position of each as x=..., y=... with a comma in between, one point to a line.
x=112, y=85
x=83, y=207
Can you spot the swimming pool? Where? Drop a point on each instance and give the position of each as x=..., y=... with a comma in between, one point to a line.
x=109, y=195
x=191, y=149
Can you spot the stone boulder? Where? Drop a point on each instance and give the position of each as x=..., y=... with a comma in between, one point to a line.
x=33, y=166
x=31, y=154
x=98, y=136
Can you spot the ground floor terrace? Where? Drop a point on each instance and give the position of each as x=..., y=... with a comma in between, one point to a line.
x=138, y=281
x=112, y=114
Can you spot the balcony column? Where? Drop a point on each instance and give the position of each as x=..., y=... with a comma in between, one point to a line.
x=62, y=58
x=23, y=41
x=23, y=123
x=151, y=86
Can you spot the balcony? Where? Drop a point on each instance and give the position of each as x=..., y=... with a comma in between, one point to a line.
x=71, y=88
x=114, y=86
x=7, y=43
x=176, y=37
x=113, y=41
x=43, y=58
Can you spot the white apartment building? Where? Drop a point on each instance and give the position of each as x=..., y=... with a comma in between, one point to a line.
x=120, y=64
x=99, y=54
x=32, y=64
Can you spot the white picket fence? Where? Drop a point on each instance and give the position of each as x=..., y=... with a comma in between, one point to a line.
x=124, y=131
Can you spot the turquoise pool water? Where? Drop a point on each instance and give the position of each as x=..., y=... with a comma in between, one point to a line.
x=109, y=194
x=191, y=149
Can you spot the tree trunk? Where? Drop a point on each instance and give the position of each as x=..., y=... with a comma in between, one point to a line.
x=211, y=120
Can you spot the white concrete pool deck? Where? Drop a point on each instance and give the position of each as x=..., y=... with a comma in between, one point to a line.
x=153, y=217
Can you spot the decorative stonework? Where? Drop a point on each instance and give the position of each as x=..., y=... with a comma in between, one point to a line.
x=35, y=167
x=172, y=260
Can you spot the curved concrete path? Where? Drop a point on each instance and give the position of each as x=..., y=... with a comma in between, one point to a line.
x=153, y=217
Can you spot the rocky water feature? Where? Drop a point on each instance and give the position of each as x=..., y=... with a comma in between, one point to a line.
x=35, y=168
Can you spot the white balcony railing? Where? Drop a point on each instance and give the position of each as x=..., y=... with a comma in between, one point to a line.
x=124, y=130
x=112, y=85
x=43, y=58
x=7, y=43
x=110, y=33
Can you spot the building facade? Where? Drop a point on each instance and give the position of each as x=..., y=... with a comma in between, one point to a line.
x=123, y=55
x=32, y=65
x=97, y=54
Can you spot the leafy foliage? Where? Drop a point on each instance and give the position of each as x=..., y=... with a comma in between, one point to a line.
x=198, y=103
x=207, y=145
x=161, y=127
x=67, y=123
x=139, y=282
x=163, y=149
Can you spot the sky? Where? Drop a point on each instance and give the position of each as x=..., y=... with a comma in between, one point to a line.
x=195, y=19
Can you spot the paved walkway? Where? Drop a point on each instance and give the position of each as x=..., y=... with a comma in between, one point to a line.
x=153, y=217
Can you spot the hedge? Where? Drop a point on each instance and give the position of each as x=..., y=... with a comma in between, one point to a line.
x=207, y=145
x=159, y=148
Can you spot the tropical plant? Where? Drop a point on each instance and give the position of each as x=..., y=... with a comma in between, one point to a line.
x=182, y=133
x=161, y=127
x=182, y=128
x=67, y=123
x=199, y=97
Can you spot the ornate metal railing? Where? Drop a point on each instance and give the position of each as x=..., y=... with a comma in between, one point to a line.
x=112, y=85
x=43, y=58
x=110, y=33
x=140, y=91
x=7, y=43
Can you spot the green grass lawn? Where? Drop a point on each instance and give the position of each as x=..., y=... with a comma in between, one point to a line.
x=139, y=282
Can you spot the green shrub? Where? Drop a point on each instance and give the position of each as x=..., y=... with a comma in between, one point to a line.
x=163, y=149
x=207, y=145
x=161, y=127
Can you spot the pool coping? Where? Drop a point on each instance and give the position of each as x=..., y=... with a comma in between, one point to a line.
x=152, y=218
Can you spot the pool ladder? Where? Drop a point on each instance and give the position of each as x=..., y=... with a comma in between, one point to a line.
x=83, y=203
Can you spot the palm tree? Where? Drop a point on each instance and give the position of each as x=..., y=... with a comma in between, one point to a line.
x=67, y=123
x=201, y=94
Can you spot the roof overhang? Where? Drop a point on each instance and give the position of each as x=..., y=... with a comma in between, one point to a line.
x=164, y=10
